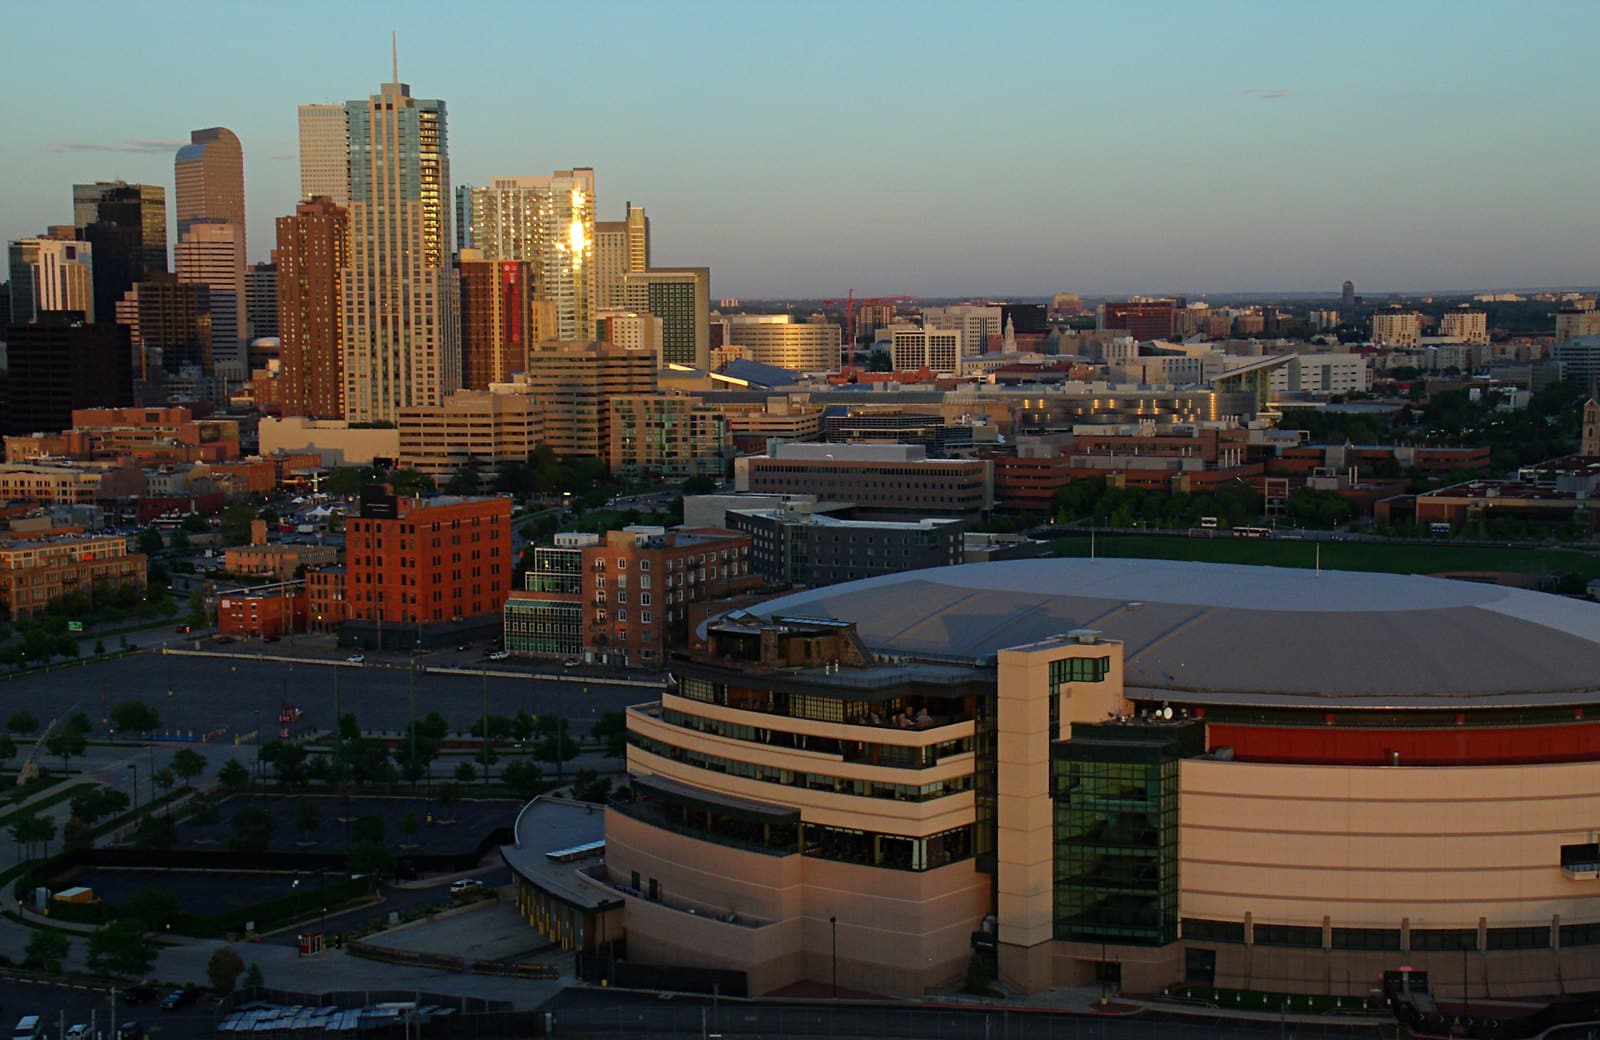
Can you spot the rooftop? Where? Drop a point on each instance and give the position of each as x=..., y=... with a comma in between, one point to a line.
x=1232, y=633
x=548, y=826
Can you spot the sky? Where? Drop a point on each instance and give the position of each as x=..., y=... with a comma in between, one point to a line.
x=935, y=149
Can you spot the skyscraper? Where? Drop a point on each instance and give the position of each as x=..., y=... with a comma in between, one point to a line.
x=398, y=293
x=59, y=363
x=496, y=318
x=620, y=246
x=261, y=299
x=127, y=226
x=212, y=255
x=681, y=298
x=325, y=153
x=549, y=222
x=1347, y=296
x=209, y=174
x=310, y=256
x=49, y=274
x=167, y=319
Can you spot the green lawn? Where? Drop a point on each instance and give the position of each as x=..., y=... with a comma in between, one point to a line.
x=1421, y=558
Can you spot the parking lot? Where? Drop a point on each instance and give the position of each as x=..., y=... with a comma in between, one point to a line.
x=227, y=699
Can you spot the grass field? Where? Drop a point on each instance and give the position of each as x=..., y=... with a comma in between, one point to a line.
x=1425, y=558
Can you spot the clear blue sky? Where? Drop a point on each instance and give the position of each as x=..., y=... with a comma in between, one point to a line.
x=929, y=148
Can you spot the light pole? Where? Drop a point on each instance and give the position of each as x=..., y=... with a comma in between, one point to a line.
x=833, y=927
x=135, y=767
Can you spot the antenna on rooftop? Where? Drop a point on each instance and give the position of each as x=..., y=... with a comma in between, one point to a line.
x=394, y=55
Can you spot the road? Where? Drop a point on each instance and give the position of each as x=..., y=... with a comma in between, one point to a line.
x=612, y=1014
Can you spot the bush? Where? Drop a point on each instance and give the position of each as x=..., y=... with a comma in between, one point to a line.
x=223, y=970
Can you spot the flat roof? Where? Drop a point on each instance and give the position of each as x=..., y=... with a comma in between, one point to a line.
x=1234, y=633
x=548, y=825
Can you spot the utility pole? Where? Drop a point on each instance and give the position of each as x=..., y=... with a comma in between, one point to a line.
x=484, y=672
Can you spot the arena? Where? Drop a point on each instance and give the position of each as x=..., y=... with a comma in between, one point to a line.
x=1146, y=772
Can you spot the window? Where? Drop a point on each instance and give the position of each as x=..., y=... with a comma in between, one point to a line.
x=1079, y=669
x=1213, y=931
x=1300, y=936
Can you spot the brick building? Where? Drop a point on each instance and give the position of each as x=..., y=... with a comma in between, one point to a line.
x=638, y=582
x=885, y=481
x=36, y=572
x=325, y=598
x=411, y=563
x=276, y=610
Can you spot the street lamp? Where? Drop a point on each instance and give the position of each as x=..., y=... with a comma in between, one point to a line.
x=135, y=767
x=833, y=927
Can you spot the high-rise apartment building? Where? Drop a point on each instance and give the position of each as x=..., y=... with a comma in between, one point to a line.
x=49, y=274
x=209, y=175
x=1397, y=327
x=212, y=255
x=656, y=437
x=496, y=318
x=126, y=224
x=1572, y=323
x=325, y=153
x=261, y=300
x=620, y=246
x=398, y=294
x=167, y=320
x=575, y=382
x=60, y=362
x=1463, y=321
x=549, y=222
x=976, y=322
x=773, y=339
x=311, y=254
x=681, y=298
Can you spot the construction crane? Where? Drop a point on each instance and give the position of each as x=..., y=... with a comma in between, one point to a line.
x=849, y=303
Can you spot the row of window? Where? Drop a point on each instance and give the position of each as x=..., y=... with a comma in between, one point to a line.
x=795, y=778
x=1309, y=937
x=893, y=756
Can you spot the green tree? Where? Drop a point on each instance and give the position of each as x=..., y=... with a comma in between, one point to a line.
x=66, y=744
x=411, y=482
x=21, y=723
x=156, y=908
x=252, y=830
x=80, y=722
x=96, y=804
x=32, y=829
x=47, y=948
x=368, y=828
x=612, y=730
x=180, y=540
x=76, y=834
x=236, y=521
x=466, y=772
x=156, y=832
x=307, y=818
x=188, y=764
x=233, y=776
x=134, y=716
x=8, y=748
x=149, y=542
x=467, y=479
x=223, y=970
x=120, y=948
x=523, y=777
x=199, y=617
x=164, y=780
x=409, y=825
x=287, y=760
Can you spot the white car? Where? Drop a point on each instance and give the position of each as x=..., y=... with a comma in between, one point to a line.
x=500, y=655
x=78, y=1032
x=356, y=658
x=465, y=885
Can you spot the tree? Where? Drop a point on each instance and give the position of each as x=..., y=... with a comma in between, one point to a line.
x=449, y=795
x=199, y=617
x=252, y=830
x=96, y=804
x=466, y=772
x=233, y=776
x=223, y=970
x=76, y=833
x=699, y=485
x=236, y=521
x=188, y=764
x=372, y=858
x=252, y=977
x=47, y=948
x=149, y=542
x=287, y=760
x=156, y=832
x=589, y=786
x=368, y=829
x=66, y=744
x=164, y=780
x=32, y=829
x=307, y=818
x=523, y=777
x=22, y=723
x=466, y=480
x=80, y=722
x=8, y=748
x=120, y=948
x=409, y=825
x=156, y=908
x=134, y=716
x=612, y=728
x=180, y=540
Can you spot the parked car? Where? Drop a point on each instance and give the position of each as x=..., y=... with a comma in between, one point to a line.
x=500, y=655
x=465, y=885
x=223, y=640
x=184, y=630
x=177, y=998
x=132, y=1029
x=269, y=639
x=356, y=658
x=78, y=1031
x=571, y=662
x=140, y=994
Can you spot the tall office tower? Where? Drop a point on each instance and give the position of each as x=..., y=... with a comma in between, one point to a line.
x=620, y=246
x=311, y=253
x=167, y=319
x=496, y=318
x=209, y=175
x=975, y=322
x=212, y=255
x=398, y=292
x=58, y=363
x=681, y=298
x=325, y=153
x=549, y=222
x=261, y=300
x=127, y=229
x=49, y=274
x=1347, y=295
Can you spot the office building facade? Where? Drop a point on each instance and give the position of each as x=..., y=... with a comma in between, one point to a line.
x=574, y=384
x=681, y=298
x=126, y=225
x=60, y=362
x=1144, y=319
x=497, y=318
x=49, y=274
x=654, y=437
x=469, y=424
x=211, y=256
x=325, y=153
x=426, y=561
x=799, y=547
x=913, y=347
x=773, y=339
x=884, y=481
x=209, y=177
x=310, y=257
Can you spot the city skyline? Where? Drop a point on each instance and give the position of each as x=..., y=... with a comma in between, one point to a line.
x=1266, y=150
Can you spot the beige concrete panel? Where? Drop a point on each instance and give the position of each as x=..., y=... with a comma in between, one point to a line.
x=716, y=876
x=658, y=934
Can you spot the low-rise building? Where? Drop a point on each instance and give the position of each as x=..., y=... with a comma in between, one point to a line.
x=277, y=560
x=793, y=546
x=544, y=618
x=335, y=440
x=325, y=598
x=469, y=424
x=668, y=438
x=276, y=610
x=35, y=572
x=885, y=481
